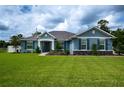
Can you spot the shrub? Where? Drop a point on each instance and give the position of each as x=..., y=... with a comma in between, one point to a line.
x=38, y=50
x=67, y=52
x=58, y=46
x=119, y=49
x=94, y=49
x=56, y=52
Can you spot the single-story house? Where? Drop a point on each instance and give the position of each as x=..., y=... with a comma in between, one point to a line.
x=80, y=43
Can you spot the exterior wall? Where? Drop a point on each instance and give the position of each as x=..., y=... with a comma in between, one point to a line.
x=91, y=42
x=66, y=45
x=35, y=44
x=110, y=44
x=76, y=44
x=24, y=46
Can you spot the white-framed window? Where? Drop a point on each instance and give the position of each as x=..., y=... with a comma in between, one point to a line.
x=84, y=44
x=101, y=44
x=29, y=44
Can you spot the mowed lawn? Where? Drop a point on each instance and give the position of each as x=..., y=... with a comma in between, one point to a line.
x=61, y=71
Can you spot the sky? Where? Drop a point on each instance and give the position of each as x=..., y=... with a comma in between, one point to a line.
x=26, y=19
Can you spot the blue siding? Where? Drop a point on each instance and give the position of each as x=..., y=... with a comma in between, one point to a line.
x=24, y=46
x=35, y=44
x=76, y=44
x=66, y=45
x=91, y=34
x=109, y=44
x=90, y=42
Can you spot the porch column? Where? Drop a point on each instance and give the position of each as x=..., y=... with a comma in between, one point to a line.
x=53, y=45
x=39, y=43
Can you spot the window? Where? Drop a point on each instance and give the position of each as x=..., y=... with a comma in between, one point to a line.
x=84, y=44
x=102, y=44
x=29, y=44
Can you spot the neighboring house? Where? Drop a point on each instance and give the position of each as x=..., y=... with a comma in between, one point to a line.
x=12, y=49
x=80, y=43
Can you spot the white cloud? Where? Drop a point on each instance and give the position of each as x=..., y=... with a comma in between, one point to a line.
x=70, y=18
x=62, y=26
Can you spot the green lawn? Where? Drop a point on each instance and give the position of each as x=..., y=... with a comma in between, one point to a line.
x=33, y=70
x=3, y=50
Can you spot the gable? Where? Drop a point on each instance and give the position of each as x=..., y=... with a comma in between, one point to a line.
x=46, y=36
x=95, y=32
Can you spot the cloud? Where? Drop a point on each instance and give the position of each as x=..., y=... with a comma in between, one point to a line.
x=26, y=8
x=4, y=26
x=25, y=19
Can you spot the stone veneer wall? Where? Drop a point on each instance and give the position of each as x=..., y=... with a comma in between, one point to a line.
x=90, y=53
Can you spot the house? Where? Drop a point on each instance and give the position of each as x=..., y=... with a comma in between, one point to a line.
x=45, y=41
x=12, y=49
x=77, y=44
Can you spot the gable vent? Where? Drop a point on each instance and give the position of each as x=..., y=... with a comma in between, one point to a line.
x=93, y=31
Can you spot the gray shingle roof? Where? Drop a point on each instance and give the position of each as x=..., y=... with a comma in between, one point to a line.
x=61, y=35
x=30, y=38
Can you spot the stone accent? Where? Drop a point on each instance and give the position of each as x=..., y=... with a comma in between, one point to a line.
x=90, y=52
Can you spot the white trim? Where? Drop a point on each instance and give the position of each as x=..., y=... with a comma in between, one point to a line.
x=47, y=33
x=86, y=44
x=105, y=32
x=104, y=45
x=51, y=40
x=75, y=36
x=45, y=39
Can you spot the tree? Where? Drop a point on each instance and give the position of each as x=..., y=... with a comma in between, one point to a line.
x=119, y=48
x=2, y=44
x=20, y=36
x=15, y=41
x=118, y=42
x=58, y=45
x=103, y=25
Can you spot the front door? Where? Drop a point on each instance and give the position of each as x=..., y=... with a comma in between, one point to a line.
x=46, y=46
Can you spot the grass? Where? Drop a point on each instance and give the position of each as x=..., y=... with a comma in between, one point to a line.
x=61, y=71
x=3, y=50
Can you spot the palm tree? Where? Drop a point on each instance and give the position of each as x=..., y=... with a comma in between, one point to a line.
x=15, y=41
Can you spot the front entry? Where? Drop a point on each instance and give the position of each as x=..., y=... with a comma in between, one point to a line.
x=46, y=46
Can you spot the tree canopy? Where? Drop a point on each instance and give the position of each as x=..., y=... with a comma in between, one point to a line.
x=103, y=25
x=118, y=42
x=15, y=40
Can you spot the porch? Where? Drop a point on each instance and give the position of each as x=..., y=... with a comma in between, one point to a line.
x=46, y=45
